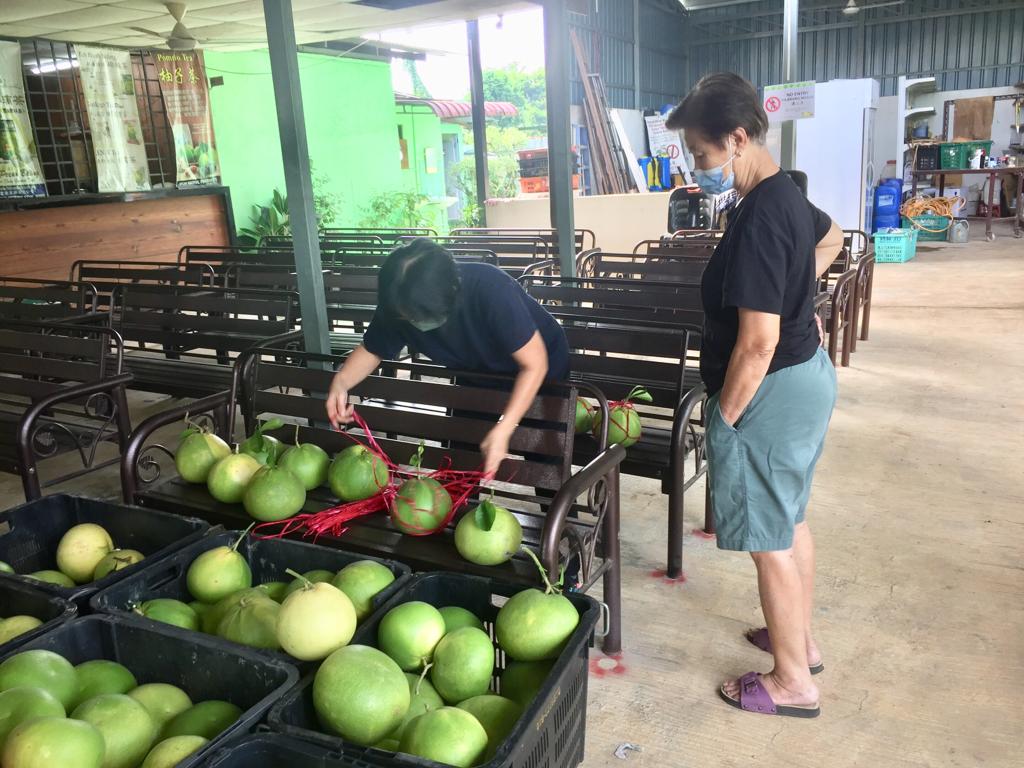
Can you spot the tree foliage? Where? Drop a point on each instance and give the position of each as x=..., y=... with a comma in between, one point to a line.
x=524, y=89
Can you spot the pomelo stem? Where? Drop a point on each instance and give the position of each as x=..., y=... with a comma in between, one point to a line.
x=423, y=675
x=234, y=547
x=296, y=433
x=306, y=583
x=549, y=587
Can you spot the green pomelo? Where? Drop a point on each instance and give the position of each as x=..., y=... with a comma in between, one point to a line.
x=447, y=735
x=252, y=621
x=127, y=728
x=217, y=573
x=116, y=560
x=360, y=694
x=197, y=454
x=317, y=576
x=211, y=619
x=463, y=665
x=522, y=680
x=200, y=609
x=254, y=446
x=584, y=416
x=388, y=745
x=206, y=719
x=169, y=611
x=274, y=493
x=457, y=618
x=409, y=632
x=315, y=621
x=497, y=715
x=357, y=473
x=488, y=535
x=421, y=506
x=5, y=567
x=533, y=626
x=162, y=701
x=275, y=590
x=362, y=581
x=18, y=705
x=101, y=676
x=49, y=742
x=13, y=626
x=230, y=476
x=40, y=669
x=624, y=426
x=169, y=752
x=81, y=549
x=308, y=462
x=52, y=577
x=423, y=698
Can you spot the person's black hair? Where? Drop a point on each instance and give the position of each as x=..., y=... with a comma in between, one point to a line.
x=418, y=282
x=719, y=104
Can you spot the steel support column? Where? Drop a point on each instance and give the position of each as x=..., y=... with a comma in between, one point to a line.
x=790, y=53
x=476, y=93
x=556, y=69
x=284, y=68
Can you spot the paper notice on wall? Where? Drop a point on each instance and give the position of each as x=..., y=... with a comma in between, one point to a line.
x=665, y=143
x=789, y=101
x=182, y=76
x=20, y=174
x=117, y=140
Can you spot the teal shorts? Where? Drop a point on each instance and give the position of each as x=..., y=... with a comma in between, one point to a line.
x=761, y=468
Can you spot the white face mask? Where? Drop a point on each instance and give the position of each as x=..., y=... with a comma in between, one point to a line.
x=427, y=325
x=713, y=181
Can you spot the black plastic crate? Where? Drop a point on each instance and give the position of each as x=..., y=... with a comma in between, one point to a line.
x=550, y=732
x=30, y=533
x=20, y=599
x=927, y=158
x=272, y=750
x=202, y=666
x=268, y=559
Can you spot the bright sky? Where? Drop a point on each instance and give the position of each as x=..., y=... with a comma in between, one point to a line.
x=518, y=40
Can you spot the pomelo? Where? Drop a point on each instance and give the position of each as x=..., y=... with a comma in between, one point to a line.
x=457, y=618
x=200, y=610
x=315, y=621
x=100, y=676
x=534, y=626
x=169, y=611
x=197, y=454
x=266, y=449
x=463, y=665
x=211, y=619
x=217, y=573
x=447, y=735
x=584, y=416
x=162, y=701
x=308, y=462
x=421, y=506
x=52, y=577
x=522, y=680
x=488, y=535
x=360, y=694
x=40, y=669
x=316, y=576
x=169, y=752
x=126, y=726
x=229, y=477
x=275, y=590
x=409, y=632
x=81, y=549
x=423, y=697
x=357, y=473
x=497, y=715
x=251, y=621
x=362, y=581
x=116, y=560
x=273, y=493
x=5, y=567
x=624, y=426
x=388, y=745
x=206, y=719
x=49, y=742
x=13, y=626
x=20, y=704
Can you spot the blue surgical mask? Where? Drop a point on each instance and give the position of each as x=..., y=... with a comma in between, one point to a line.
x=428, y=325
x=714, y=181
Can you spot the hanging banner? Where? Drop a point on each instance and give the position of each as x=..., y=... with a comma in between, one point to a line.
x=20, y=175
x=183, y=85
x=117, y=143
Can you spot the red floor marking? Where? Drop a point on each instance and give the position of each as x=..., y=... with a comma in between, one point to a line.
x=700, y=533
x=662, y=575
x=604, y=665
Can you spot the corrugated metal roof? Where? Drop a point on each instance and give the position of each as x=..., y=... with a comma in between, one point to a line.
x=450, y=110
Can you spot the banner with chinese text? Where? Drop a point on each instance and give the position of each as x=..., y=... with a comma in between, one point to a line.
x=183, y=84
x=20, y=174
x=117, y=140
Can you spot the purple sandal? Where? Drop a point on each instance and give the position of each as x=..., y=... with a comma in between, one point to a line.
x=760, y=639
x=754, y=698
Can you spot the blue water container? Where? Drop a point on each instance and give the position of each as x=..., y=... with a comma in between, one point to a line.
x=888, y=197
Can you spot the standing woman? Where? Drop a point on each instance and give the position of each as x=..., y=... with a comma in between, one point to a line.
x=771, y=387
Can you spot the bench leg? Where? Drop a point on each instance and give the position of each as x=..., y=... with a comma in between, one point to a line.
x=676, y=506
x=613, y=576
x=866, y=318
x=709, y=518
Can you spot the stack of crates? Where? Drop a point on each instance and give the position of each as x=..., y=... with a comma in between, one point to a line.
x=533, y=170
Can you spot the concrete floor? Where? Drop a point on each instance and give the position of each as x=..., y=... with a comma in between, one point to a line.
x=918, y=512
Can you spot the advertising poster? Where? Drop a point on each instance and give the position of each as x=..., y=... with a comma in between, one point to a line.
x=117, y=141
x=20, y=174
x=184, y=88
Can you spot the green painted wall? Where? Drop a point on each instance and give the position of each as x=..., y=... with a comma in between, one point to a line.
x=421, y=129
x=349, y=107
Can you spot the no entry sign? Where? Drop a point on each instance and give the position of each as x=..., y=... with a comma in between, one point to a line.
x=789, y=101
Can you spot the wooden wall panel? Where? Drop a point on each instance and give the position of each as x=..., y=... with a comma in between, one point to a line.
x=44, y=242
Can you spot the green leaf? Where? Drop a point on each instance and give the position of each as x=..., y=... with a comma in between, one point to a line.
x=643, y=396
x=417, y=458
x=270, y=425
x=261, y=456
x=187, y=432
x=485, y=515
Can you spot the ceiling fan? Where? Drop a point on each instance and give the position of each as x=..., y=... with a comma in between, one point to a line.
x=852, y=9
x=180, y=39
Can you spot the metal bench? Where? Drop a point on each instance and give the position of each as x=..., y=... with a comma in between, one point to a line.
x=633, y=266
x=515, y=254
x=583, y=239
x=23, y=298
x=106, y=274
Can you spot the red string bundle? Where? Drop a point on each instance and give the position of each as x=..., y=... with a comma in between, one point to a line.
x=333, y=521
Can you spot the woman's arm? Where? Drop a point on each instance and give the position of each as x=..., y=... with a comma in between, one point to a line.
x=755, y=345
x=827, y=249
x=532, y=359
x=358, y=365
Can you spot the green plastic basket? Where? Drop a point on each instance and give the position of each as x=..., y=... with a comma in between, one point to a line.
x=951, y=155
x=896, y=247
x=929, y=226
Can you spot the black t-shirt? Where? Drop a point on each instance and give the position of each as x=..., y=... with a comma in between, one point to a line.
x=765, y=262
x=492, y=318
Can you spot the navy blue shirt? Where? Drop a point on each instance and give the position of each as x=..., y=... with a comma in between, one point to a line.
x=492, y=318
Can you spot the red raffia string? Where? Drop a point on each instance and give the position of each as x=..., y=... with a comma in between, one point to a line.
x=333, y=521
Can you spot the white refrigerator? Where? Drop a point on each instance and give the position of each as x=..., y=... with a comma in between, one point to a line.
x=835, y=149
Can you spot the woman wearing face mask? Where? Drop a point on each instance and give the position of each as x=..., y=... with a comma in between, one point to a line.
x=469, y=317
x=770, y=385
